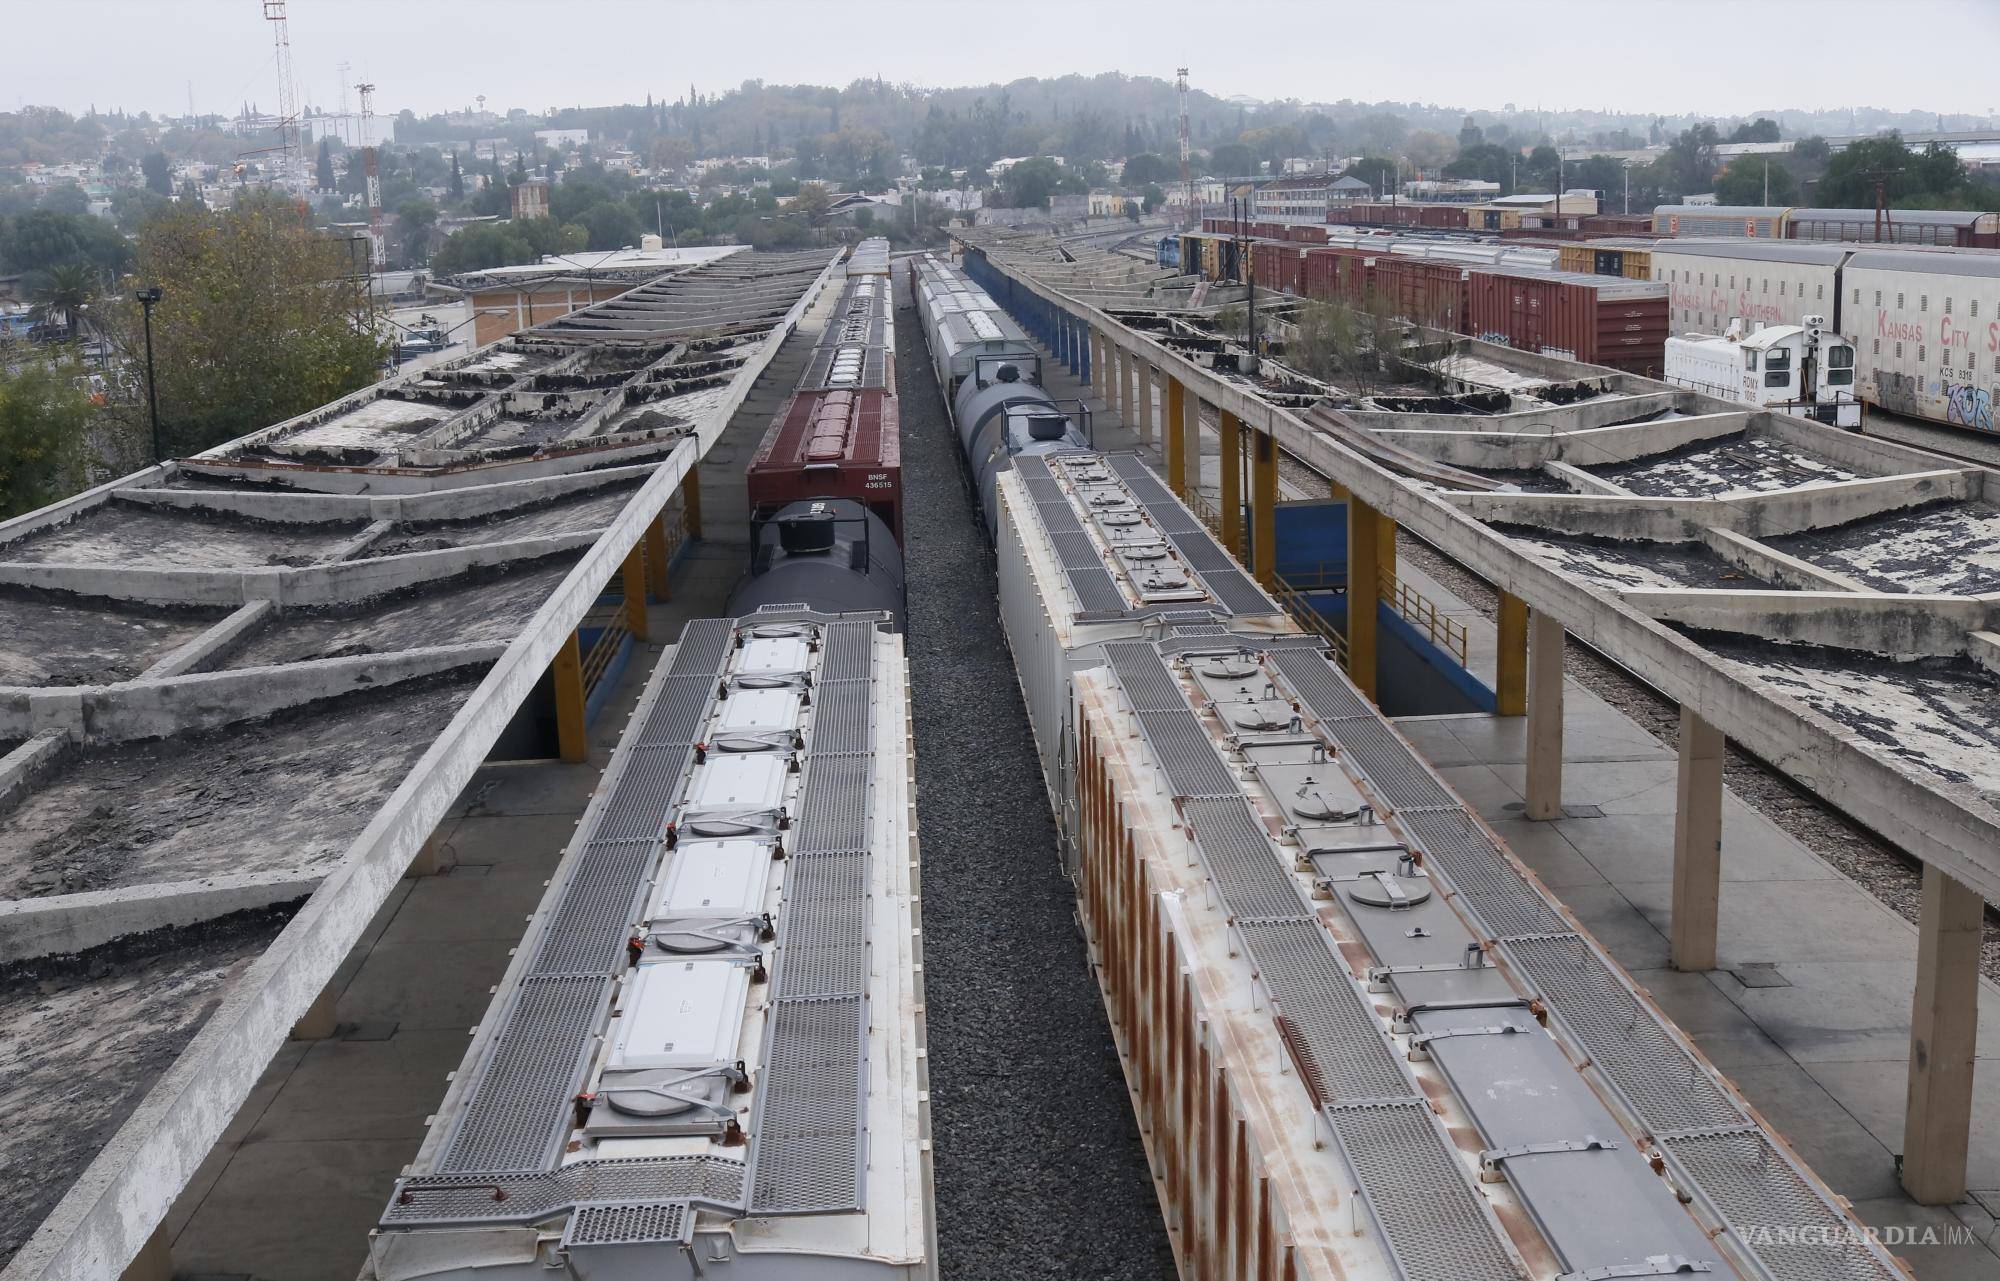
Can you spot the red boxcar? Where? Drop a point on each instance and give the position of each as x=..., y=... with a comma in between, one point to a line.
x=1444, y=217
x=1278, y=266
x=833, y=444
x=1337, y=272
x=1600, y=320
x=1609, y=224
x=1421, y=290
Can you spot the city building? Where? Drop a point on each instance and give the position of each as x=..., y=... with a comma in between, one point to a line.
x=501, y=300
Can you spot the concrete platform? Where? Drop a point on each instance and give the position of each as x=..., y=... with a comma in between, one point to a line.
x=1809, y=1009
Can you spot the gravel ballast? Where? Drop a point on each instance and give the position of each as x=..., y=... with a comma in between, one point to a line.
x=1040, y=1169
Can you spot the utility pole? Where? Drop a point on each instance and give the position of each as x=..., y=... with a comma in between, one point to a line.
x=1767, y=182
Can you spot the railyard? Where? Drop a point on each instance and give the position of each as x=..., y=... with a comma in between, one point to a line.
x=1685, y=539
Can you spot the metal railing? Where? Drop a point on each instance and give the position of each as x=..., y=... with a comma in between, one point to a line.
x=1299, y=606
x=1417, y=609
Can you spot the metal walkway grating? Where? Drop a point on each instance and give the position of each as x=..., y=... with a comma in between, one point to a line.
x=1434, y=1223
x=1237, y=852
x=1149, y=685
x=586, y=932
x=1346, y=1054
x=517, y=1112
x=628, y=1223
x=1323, y=687
x=438, y=1200
x=1185, y=753
x=1481, y=874
x=842, y=716
x=1785, y=1223
x=1394, y=770
x=811, y=1149
x=833, y=803
x=1665, y=1085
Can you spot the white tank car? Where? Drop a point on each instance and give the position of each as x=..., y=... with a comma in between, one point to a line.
x=1361, y=1042
x=706, y=1059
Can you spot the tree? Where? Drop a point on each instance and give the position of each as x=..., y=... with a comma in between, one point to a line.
x=42, y=238
x=415, y=221
x=1231, y=160
x=457, y=178
x=257, y=324
x=1743, y=182
x=159, y=173
x=323, y=178
x=1691, y=159
x=1930, y=178
x=611, y=226
x=1147, y=167
x=482, y=245
x=1154, y=197
x=60, y=293
x=45, y=417
x=1762, y=129
x=813, y=202
x=1377, y=171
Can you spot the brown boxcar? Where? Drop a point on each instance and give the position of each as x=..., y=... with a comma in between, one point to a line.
x=833, y=444
x=1421, y=290
x=1278, y=265
x=1336, y=272
x=1600, y=320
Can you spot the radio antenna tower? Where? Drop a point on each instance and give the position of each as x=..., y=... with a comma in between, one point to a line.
x=378, y=247
x=1187, y=174
x=288, y=106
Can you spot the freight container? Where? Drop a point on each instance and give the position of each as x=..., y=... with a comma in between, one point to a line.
x=1619, y=224
x=1420, y=290
x=1335, y=272
x=1747, y=222
x=1442, y=217
x=833, y=444
x=1631, y=259
x=1492, y=218
x=1279, y=266
x=1600, y=320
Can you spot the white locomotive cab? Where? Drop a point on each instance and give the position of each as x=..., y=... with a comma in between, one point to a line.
x=1772, y=366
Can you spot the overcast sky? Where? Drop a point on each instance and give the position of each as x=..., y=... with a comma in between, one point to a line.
x=1722, y=57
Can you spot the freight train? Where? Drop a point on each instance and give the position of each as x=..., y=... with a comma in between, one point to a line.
x=991, y=377
x=706, y=1059
x=1360, y=1040
x=1924, y=324
x=1952, y=228
x=826, y=482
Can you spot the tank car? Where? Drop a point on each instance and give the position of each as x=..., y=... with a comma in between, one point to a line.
x=831, y=555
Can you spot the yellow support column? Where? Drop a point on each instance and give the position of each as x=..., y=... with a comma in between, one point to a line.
x=1232, y=483
x=572, y=743
x=658, y=558
x=1385, y=548
x=691, y=502
x=633, y=583
x=1176, y=433
x=1142, y=374
x=1364, y=591
x=1264, y=508
x=1510, y=681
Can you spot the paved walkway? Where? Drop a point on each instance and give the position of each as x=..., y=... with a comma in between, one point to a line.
x=1809, y=1012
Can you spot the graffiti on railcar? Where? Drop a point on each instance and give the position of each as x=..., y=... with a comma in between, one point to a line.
x=1898, y=392
x=1968, y=406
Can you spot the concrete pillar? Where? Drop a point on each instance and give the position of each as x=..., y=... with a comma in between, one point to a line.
x=1093, y=348
x=1944, y=1024
x=572, y=742
x=1697, y=845
x=632, y=581
x=1128, y=389
x=317, y=1023
x=1177, y=437
x=1232, y=482
x=691, y=502
x=1264, y=508
x=154, y=1262
x=1143, y=374
x=1545, y=716
x=1364, y=592
x=658, y=560
x=1510, y=682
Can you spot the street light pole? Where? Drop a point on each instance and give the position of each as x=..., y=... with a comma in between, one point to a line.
x=147, y=297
